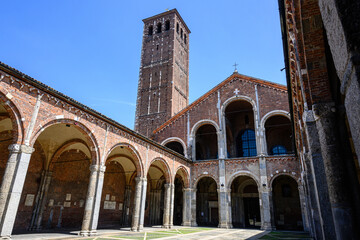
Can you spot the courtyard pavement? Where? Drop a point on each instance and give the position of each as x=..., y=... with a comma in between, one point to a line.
x=157, y=232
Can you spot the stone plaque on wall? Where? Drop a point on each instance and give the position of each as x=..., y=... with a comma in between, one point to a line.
x=51, y=202
x=68, y=197
x=67, y=204
x=120, y=206
x=109, y=205
x=29, y=200
x=112, y=198
x=107, y=197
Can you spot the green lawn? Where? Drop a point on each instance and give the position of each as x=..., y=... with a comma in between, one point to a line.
x=152, y=235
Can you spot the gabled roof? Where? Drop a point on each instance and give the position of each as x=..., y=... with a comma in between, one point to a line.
x=219, y=86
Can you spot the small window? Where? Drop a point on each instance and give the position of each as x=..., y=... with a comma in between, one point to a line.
x=158, y=28
x=177, y=27
x=157, y=47
x=181, y=33
x=167, y=25
x=246, y=143
x=150, y=30
x=278, y=150
x=185, y=39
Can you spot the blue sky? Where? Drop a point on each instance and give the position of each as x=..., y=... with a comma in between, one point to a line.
x=90, y=50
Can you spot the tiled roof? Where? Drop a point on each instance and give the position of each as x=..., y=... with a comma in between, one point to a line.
x=85, y=108
x=217, y=87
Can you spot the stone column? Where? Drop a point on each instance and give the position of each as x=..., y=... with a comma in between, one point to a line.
x=127, y=197
x=193, y=207
x=167, y=197
x=137, y=203
x=40, y=201
x=186, y=207
x=171, y=216
x=335, y=169
x=264, y=193
x=93, y=200
x=12, y=185
x=142, y=205
x=266, y=221
x=223, y=196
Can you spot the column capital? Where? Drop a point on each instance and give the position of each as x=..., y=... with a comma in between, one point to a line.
x=226, y=190
x=94, y=168
x=102, y=168
x=17, y=148
x=14, y=148
x=187, y=189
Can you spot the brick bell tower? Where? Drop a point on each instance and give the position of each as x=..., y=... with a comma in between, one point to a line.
x=163, y=88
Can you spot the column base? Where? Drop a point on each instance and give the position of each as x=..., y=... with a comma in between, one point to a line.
x=134, y=229
x=6, y=237
x=167, y=226
x=187, y=224
x=267, y=227
x=87, y=233
x=194, y=224
x=224, y=225
x=140, y=228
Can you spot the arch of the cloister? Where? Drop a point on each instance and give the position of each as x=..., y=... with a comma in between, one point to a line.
x=88, y=135
x=57, y=178
x=288, y=209
x=135, y=157
x=245, y=205
x=15, y=116
x=207, y=201
x=123, y=164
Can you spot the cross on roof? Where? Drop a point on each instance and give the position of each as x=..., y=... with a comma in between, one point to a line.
x=236, y=91
x=235, y=65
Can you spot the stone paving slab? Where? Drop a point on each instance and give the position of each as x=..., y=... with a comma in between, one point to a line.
x=180, y=233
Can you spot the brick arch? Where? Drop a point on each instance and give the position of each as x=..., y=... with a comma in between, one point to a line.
x=137, y=161
x=176, y=139
x=166, y=171
x=272, y=114
x=15, y=117
x=202, y=122
x=81, y=127
x=242, y=173
x=186, y=174
x=61, y=149
x=241, y=98
x=297, y=180
x=203, y=176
